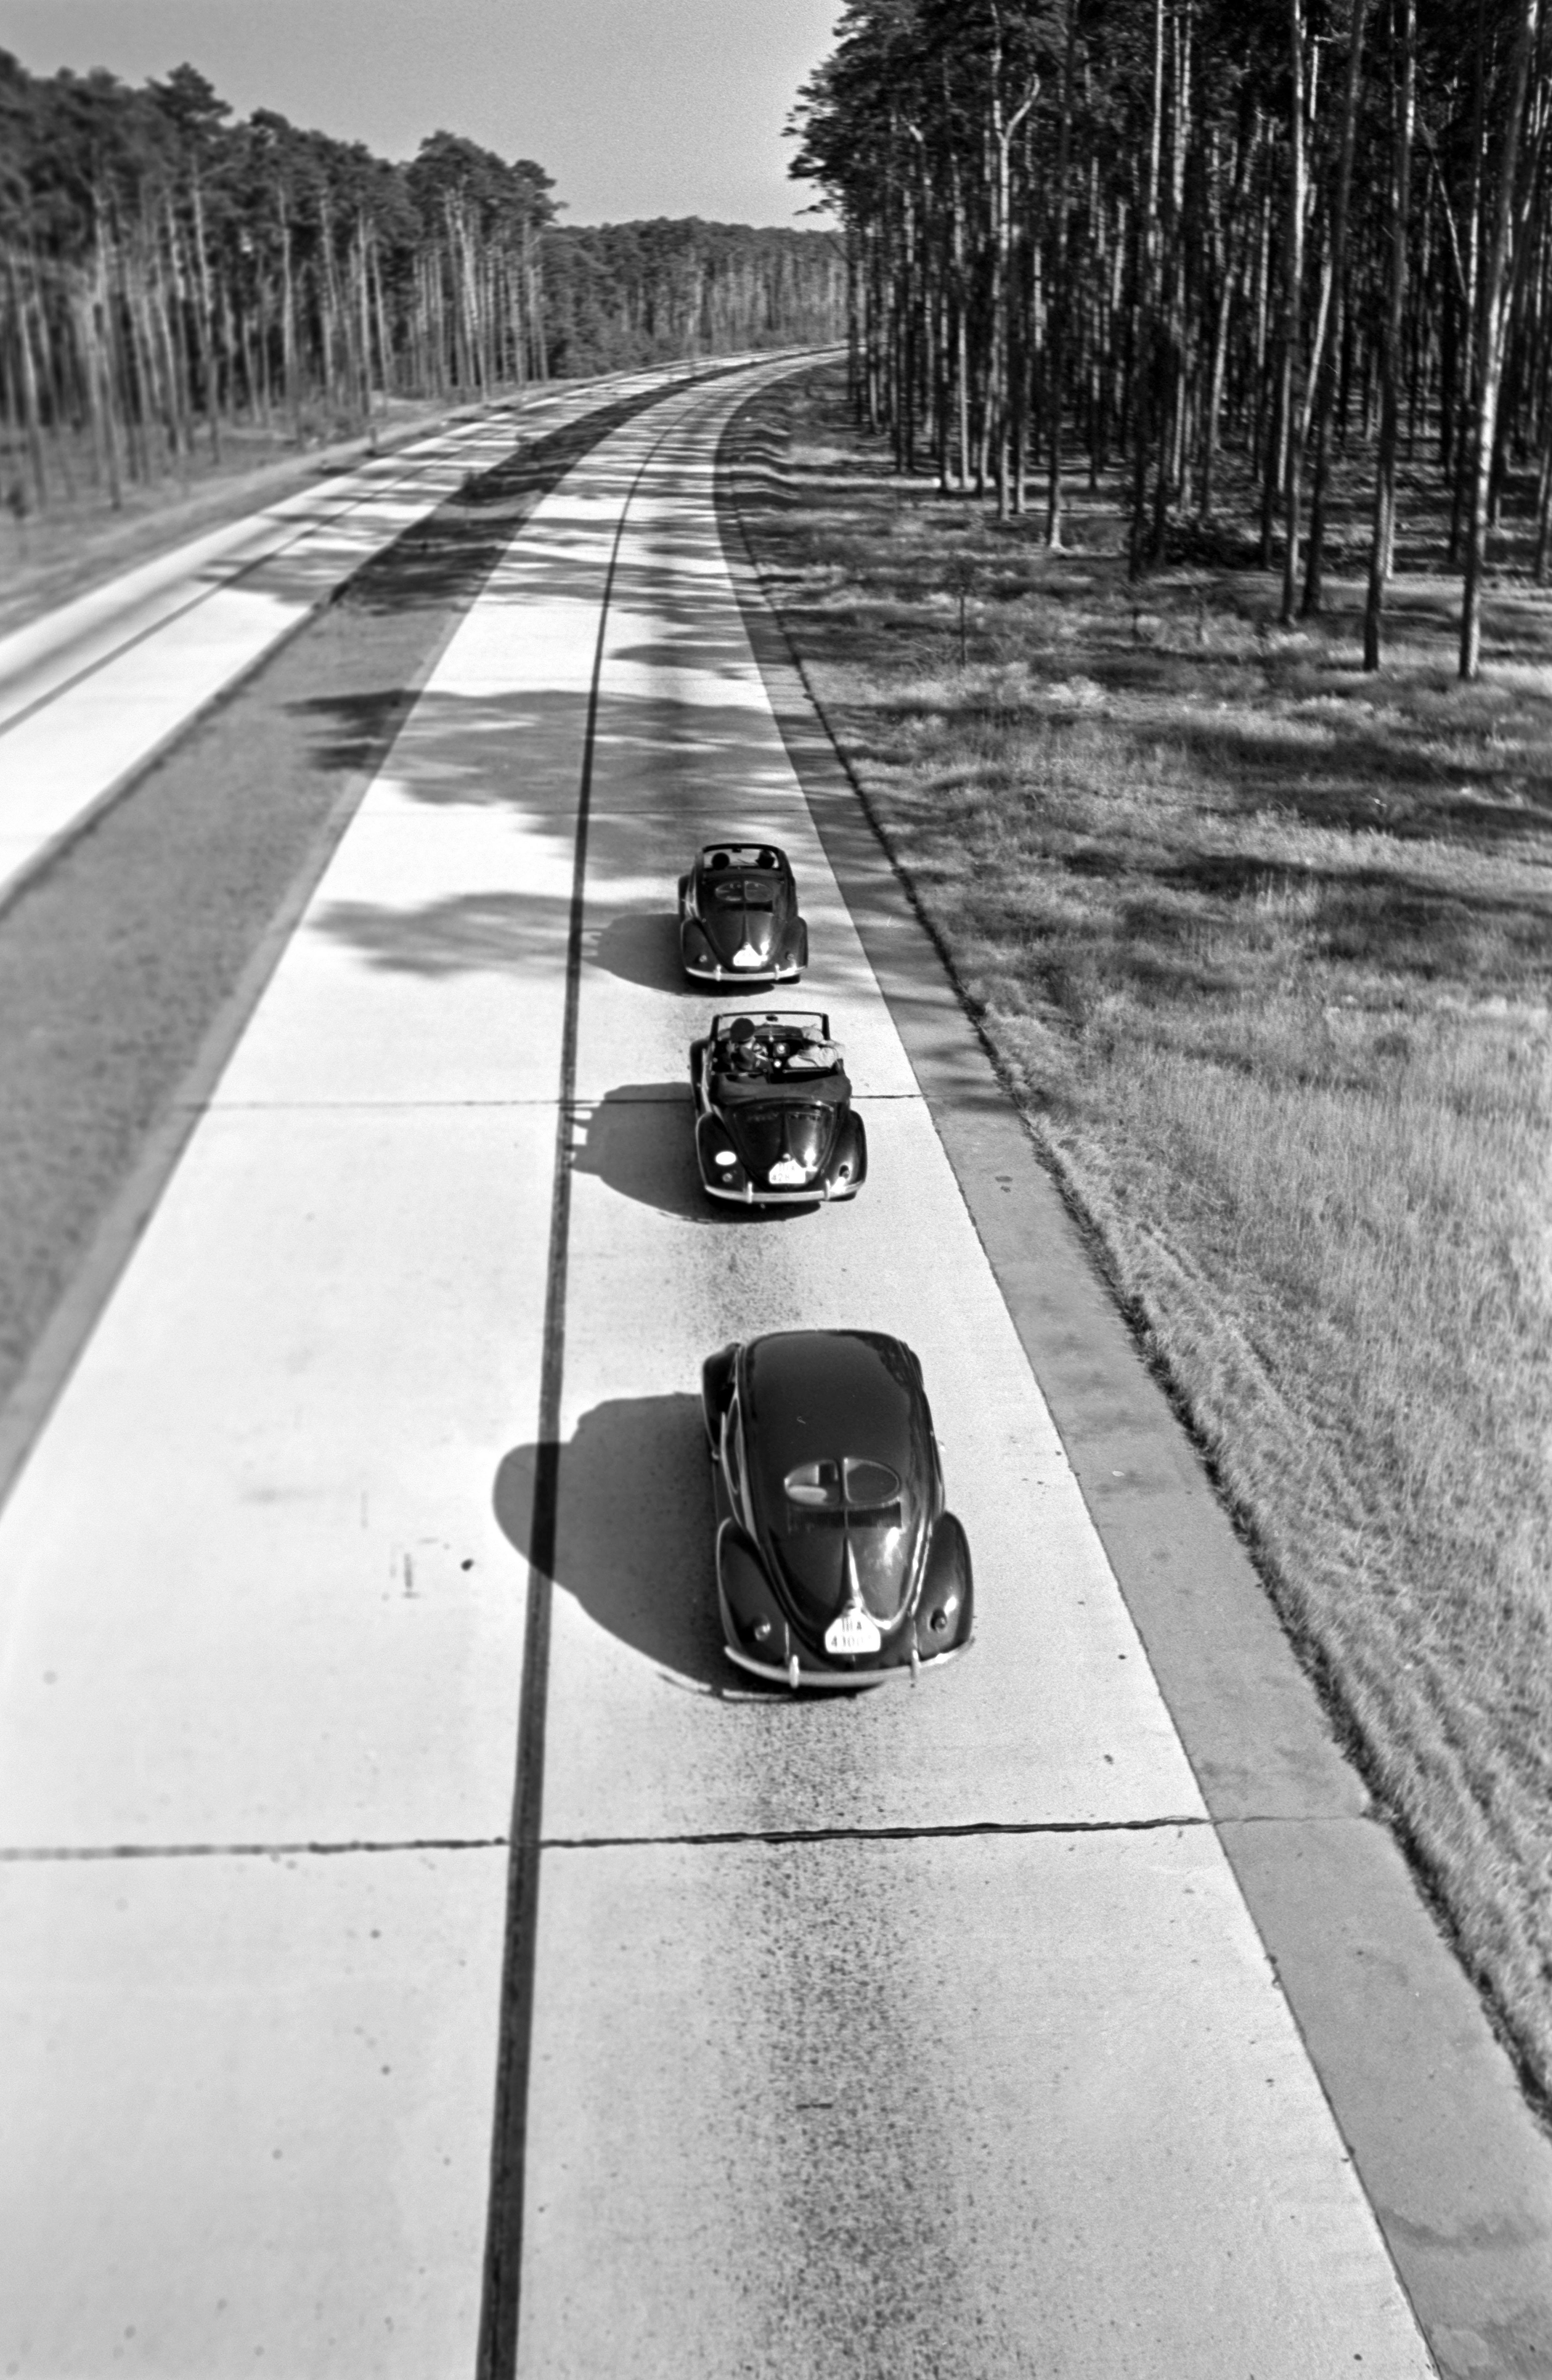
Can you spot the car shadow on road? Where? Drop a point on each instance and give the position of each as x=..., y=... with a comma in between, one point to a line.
x=634, y=1529
x=644, y=950
x=639, y=1139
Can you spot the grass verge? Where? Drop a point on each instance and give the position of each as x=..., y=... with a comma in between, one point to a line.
x=1264, y=950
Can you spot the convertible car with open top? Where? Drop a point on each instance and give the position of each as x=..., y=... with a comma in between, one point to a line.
x=837, y=1564
x=775, y=1123
x=738, y=920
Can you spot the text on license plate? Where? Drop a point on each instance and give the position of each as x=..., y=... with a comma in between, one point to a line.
x=853, y=1633
x=787, y=1169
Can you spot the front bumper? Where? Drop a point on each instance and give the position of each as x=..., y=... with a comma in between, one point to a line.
x=802, y=1667
x=780, y=971
x=836, y=1681
x=815, y=1194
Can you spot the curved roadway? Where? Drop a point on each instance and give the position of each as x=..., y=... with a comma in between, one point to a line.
x=425, y=1963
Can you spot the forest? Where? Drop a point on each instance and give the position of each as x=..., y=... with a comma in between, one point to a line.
x=170, y=277
x=1181, y=238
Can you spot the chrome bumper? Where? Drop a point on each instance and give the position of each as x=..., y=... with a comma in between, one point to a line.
x=788, y=972
x=836, y=1681
x=820, y=1195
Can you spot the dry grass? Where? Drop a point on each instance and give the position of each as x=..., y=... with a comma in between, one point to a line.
x=1265, y=949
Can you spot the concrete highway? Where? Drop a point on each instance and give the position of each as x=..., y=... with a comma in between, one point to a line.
x=93, y=690
x=421, y=1965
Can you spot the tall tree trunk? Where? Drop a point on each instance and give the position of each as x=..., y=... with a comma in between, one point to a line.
x=1326, y=380
x=1247, y=147
x=1293, y=266
x=1466, y=385
x=1404, y=33
x=1056, y=353
x=1493, y=324
x=1145, y=307
x=32, y=426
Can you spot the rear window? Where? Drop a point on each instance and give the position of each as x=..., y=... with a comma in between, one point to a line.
x=862, y=1490
x=741, y=855
x=743, y=892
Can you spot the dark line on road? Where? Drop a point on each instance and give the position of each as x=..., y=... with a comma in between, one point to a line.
x=497, y=2356
x=16, y=1855
x=971, y=1828
x=41, y=1854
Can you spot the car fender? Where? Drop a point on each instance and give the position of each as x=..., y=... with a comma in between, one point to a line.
x=710, y=1134
x=853, y=1144
x=694, y=944
x=748, y=1600
x=947, y=1592
x=716, y=1392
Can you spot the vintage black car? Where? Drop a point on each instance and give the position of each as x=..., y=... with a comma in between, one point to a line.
x=837, y=1564
x=738, y=920
x=773, y=1110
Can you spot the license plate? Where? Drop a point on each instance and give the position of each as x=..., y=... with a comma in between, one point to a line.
x=787, y=1170
x=853, y=1633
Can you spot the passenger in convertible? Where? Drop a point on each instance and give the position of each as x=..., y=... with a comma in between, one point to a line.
x=744, y=1052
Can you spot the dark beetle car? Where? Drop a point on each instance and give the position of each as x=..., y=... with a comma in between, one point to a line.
x=773, y=1110
x=738, y=920
x=836, y=1563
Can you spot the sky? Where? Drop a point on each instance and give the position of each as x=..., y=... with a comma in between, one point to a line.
x=635, y=107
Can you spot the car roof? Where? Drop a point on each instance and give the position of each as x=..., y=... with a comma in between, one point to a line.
x=811, y=1393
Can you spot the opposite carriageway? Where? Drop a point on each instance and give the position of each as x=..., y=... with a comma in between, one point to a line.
x=92, y=692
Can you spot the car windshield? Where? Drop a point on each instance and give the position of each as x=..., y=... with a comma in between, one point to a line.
x=744, y=892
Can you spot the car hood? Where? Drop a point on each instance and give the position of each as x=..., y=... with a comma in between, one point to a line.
x=765, y=1132
x=730, y=929
x=826, y=1563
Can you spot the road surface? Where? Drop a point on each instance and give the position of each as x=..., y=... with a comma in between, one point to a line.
x=415, y=1966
